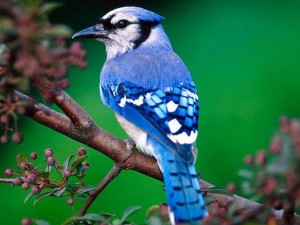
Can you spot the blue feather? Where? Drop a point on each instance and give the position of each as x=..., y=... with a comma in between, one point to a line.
x=181, y=184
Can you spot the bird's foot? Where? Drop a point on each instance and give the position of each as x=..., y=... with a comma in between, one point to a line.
x=130, y=145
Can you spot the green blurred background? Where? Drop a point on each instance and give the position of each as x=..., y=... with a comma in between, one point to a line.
x=245, y=59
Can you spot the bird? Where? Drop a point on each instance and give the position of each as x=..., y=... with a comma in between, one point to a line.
x=155, y=100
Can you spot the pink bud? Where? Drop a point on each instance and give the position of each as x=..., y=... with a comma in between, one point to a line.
x=260, y=158
x=35, y=190
x=70, y=201
x=4, y=139
x=26, y=221
x=51, y=161
x=284, y=123
x=275, y=146
x=231, y=187
x=9, y=172
x=18, y=181
x=248, y=160
x=17, y=137
x=48, y=152
x=33, y=155
x=81, y=151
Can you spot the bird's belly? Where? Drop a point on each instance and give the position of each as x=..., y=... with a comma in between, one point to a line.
x=136, y=134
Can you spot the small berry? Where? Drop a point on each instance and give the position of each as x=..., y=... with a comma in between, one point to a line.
x=25, y=185
x=18, y=181
x=164, y=211
x=248, y=160
x=285, y=124
x=51, y=161
x=4, y=118
x=64, y=83
x=17, y=137
x=67, y=173
x=48, y=152
x=260, y=158
x=33, y=155
x=70, y=201
x=23, y=165
x=26, y=221
x=231, y=187
x=35, y=190
x=270, y=185
x=32, y=178
x=275, y=146
x=81, y=151
x=9, y=172
x=4, y=139
x=86, y=164
x=222, y=211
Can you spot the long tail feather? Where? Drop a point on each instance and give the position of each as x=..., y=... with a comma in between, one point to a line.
x=182, y=186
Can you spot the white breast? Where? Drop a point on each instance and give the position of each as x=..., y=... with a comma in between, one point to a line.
x=136, y=134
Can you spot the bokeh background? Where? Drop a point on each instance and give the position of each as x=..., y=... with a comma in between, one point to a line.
x=245, y=59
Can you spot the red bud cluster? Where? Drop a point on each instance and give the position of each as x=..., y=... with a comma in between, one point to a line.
x=31, y=48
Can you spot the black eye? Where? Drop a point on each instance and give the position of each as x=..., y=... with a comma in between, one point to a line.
x=123, y=23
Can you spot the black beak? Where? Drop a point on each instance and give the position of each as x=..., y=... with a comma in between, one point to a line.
x=96, y=31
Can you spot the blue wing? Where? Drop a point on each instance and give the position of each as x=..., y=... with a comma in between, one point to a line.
x=160, y=98
x=170, y=115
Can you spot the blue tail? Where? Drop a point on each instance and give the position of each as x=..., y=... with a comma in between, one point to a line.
x=182, y=186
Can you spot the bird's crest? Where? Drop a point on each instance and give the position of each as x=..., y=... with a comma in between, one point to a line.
x=132, y=14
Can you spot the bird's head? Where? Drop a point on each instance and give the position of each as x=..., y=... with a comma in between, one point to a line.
x=127, y=28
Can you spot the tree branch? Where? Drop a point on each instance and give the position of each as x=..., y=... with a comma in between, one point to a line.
x=90, y=134
x=78, y=125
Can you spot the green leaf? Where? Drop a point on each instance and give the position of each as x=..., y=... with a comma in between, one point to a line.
x=129, y=211
x=248, y=174
x=21, y=158
x=80, y=170
x=116, y=222
x=7, y=26
x=93, y=217
x=81, y=196
x=155, y=220
x=43, y=174
x=107, y=215
x=66, y=163
x=41, y=222
x=50, y=6
x=86, y=188
x=78, y=161
x=27, y=197
x=153, y=211
x=48, y=169
x=217, y=190
x=43, y=195
x=59, y=192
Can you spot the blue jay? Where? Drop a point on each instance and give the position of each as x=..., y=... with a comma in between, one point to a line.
x=155, y=101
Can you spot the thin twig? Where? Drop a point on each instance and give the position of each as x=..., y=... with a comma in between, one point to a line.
x=113, y=173
x=7, y=180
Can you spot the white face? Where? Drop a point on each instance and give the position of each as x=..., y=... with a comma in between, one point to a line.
x=127, y=28
x=123, y=33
